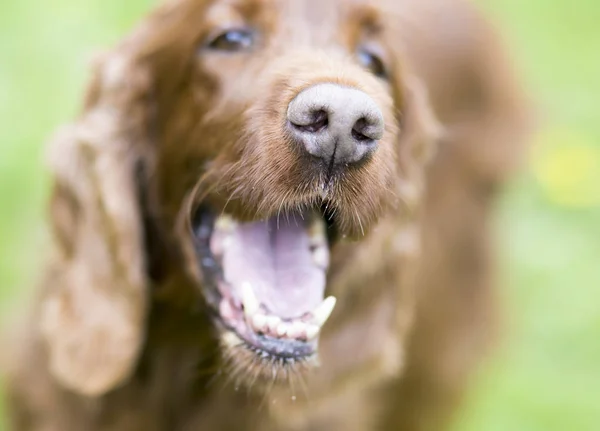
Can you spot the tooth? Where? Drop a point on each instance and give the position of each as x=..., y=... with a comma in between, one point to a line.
x=297, y=330
x=259, y=322
x=316, y=232
x=323, y=311
x=321, y=257
x=272, y=323
x=251, y=304
x=225, y=223
x=312, y=331
x=282, y=329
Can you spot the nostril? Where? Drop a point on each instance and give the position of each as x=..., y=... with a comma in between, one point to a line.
x=359, y=130
x=360, y=137
x=319, y=120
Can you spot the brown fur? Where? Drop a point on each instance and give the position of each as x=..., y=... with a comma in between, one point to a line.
x=120, y=338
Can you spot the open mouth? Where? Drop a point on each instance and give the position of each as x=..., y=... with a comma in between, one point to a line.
x=266, y=279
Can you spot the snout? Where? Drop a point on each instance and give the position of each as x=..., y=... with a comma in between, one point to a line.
x=338, y=124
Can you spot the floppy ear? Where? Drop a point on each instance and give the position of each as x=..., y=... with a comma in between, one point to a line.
x=94, y=305
x=491, y=136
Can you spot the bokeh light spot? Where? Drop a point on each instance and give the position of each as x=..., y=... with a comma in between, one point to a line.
x=566, y=164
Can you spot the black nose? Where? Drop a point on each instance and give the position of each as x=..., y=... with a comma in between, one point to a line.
x=335, y=123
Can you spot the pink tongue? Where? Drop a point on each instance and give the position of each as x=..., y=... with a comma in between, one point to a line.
x=275, y=258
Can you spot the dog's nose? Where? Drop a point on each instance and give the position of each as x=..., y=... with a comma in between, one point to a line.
x=335, y=123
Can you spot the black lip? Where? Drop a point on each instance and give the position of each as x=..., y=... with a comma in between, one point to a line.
x=285, y=349
x=267, y=347
x=202, y=228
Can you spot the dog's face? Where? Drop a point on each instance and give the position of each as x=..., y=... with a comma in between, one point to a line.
x=282, y=140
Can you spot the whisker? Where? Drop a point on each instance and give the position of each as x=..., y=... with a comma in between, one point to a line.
x=302, y=382
x=280, y=207
x=359, y=222
x=254, y=375
x=230, y=198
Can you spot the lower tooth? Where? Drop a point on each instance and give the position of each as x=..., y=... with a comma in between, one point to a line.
x=273, y=323
x=297, y=330
x=282, y=330
x=259, y=322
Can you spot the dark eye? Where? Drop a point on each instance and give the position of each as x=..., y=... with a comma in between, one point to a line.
x=232, y=40
x=372, y=62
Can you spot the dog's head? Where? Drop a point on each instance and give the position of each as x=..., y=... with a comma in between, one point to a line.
x=271, y=137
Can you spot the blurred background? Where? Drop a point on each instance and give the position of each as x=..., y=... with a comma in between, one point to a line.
x=546, y=374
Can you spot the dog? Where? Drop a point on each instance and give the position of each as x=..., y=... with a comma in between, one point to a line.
x=274, y=215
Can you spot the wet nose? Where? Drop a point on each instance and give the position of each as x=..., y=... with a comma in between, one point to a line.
x=338, y=124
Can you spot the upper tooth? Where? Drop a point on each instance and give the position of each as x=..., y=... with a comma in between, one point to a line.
x=316, y=232
x=321, y=257
x=249, y=300
x=225, y=222
x=323, y=311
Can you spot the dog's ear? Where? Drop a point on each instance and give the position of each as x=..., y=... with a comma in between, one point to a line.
x=491, y=133
x=95, y=302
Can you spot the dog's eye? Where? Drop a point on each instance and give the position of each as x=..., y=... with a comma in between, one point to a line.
x=232, y=40
x=372, y=62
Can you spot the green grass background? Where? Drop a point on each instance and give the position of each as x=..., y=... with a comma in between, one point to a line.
x=546, y=375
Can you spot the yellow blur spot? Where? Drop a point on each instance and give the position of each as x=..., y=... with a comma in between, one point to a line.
x=566, y=164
